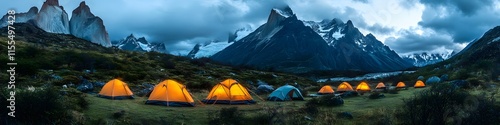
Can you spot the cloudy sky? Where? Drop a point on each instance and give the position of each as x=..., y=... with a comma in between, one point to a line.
x=406, y=26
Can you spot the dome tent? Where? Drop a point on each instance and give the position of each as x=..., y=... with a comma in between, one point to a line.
x=344, y=86
x=285, y=93
x=401, y=85
x=419, y=84
x=116, y=89
x=170, y=93
x=363, y=87
x=229, y=91
x=327, y=89
x=380, y=86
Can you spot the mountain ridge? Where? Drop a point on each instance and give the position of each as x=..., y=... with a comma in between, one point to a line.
x=287, y=44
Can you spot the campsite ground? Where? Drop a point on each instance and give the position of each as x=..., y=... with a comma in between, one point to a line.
x=136, y=112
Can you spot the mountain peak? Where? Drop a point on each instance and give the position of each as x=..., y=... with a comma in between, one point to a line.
x=337, y=21
x=130, y=36
x=52, y=2
x=284, y=11
x=33, y=9
x=370, y=35
x=349, y=23
x=83, y=9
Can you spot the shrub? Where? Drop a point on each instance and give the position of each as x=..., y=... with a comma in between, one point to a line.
x=474, y=81
x=376, y=95
x=42, y=106
x=200, y=61
x=461, y=74
x=326, y=100
x=393, y=91
x=227, y=116
x=444, y=104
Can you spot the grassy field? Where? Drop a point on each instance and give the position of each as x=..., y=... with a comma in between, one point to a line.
x=136, y=112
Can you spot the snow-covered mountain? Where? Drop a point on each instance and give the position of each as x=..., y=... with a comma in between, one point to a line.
x=212, y=47
x=131, y=43
x=285, y=43
x=52, y=18
x=424, y=58
x=84, y=24
x=20, y=17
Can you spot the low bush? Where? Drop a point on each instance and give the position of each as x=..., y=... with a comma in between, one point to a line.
x=376, y=95
x=445, y=104
x=227, y=116
x=326, y=100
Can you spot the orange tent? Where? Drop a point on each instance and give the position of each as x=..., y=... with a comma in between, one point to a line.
x=380, y=85
x=363, y=86
x=170, y=93
x=327, y=89
x=229, y=92
x=116, y=89
x=400, y=85
x=344, y=86
x=419, y=84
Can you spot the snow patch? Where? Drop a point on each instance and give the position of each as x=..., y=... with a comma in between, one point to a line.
x=144, y=46
x=496, y=39
x=366, y=76
x=283, y=13
x=337, y=35
x=211, y=49
x=242, y=34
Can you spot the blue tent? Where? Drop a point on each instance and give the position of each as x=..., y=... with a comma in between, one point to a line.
x=285, y=93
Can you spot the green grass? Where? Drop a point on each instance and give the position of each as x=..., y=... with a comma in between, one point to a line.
x=102, y=110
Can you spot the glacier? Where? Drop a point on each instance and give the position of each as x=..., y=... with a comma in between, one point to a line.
x=211, y=49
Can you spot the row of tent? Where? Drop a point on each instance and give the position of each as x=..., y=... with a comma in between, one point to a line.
x=363, y=87
x=173, y=93
x=229, y=91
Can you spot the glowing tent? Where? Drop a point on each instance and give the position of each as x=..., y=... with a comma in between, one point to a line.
x=229, y=92
x=344, y=86
x=419, y=84
x=116, y=89
x=170, y=93
x=327, y=89
x=285, y=93
x=400, y=85
x=363, y=87
x=380, y=86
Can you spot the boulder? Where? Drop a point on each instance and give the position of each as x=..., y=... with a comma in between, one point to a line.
x=99, y=84
x=444, y=77
x=420, y=78
x=147, y=88
x=264, y=89
x=56, y=77
x=349, y=94
x=433, y=80
x=260, y=82
x=85, y=86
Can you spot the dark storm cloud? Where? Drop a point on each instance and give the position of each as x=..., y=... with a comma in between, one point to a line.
x=413, y=42
x=467, y=7
x=462, y=27
x=448, y=23
x=375, y=28
x=324, y=12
